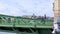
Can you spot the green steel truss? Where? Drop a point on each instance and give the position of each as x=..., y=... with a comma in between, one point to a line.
x=12, y=21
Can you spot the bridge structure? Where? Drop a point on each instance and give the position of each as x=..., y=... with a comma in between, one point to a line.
x=41, y=26
x=12, y=21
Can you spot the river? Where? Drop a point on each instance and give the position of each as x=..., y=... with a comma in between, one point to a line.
x=7, y=33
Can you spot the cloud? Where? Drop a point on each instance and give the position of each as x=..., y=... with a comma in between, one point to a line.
x=24, y=7
x=2, y=7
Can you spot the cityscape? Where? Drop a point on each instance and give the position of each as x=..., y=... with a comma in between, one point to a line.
x=38, y=17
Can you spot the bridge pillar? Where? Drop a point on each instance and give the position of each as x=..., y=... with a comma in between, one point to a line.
x=56, y=9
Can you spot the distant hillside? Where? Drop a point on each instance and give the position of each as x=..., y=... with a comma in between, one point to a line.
x=38, y=17
x=27, y=16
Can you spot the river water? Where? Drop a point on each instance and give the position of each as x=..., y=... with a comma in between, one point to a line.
x=12, y=32
x=7, y=33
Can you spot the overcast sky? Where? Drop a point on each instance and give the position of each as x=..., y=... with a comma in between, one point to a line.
x=26, y=7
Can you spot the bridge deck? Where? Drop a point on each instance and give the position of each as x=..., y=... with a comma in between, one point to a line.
x=24, y=26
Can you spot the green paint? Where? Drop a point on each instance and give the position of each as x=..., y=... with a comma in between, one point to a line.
x=8, y=21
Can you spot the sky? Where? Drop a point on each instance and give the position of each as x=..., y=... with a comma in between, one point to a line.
x=27, y=7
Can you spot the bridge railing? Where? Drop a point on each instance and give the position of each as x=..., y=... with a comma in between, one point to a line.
x=25, y=21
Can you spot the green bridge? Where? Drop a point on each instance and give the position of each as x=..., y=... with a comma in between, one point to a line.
x=12, y=21
x=27, y=25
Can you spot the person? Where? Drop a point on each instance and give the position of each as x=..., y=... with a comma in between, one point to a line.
x=57, y=26
x=43, y=19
